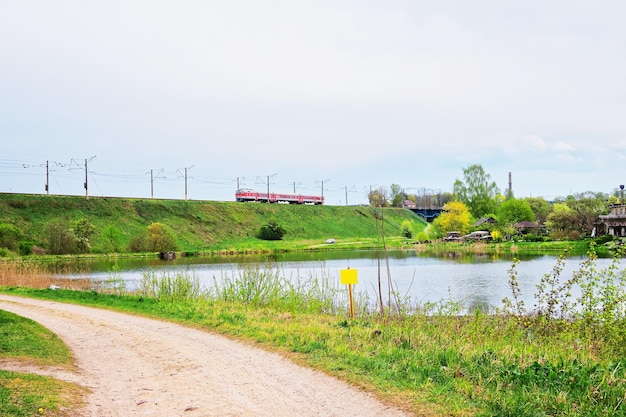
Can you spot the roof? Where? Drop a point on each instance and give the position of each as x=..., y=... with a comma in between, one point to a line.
x=484, y=220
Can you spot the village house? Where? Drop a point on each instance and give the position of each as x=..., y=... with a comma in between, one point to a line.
x=614, y=223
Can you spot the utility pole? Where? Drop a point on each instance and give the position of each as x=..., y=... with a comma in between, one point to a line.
x=86, y=184
x=152, y=178
x=86, y=189
x=185, y=176
x=185, y=183
x=47, y=179
x=323, y=181
x=351, y=190
x=268, y=186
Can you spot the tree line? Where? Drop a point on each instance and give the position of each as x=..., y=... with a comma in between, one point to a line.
x=476, y=196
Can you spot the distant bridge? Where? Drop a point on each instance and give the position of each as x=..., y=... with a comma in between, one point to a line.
x=429, y=214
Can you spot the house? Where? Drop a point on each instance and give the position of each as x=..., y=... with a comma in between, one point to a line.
x=486, y=222
x=408, y=204
x=614, y=223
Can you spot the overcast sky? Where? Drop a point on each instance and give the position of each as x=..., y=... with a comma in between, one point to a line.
x=348, y=94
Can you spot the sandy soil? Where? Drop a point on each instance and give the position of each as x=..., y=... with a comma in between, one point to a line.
x=141, y=367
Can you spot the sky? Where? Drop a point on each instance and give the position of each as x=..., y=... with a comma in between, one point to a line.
x=321, y=97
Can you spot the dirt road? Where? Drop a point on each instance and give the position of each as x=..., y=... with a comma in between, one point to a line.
x=141, y=367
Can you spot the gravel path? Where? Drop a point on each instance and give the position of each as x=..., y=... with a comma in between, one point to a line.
x=142, y=367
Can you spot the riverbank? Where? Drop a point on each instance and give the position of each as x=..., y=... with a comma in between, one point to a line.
x=431, y=365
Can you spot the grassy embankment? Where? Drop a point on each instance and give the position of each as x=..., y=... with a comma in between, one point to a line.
x=432, y=362
x=209, y=227
x=216, y=227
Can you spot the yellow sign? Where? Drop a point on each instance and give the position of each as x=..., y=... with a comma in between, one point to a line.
x=349, y=276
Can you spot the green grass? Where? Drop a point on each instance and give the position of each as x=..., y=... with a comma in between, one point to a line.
x=22, y=394
x=23, y=338
x=32, y=395
x=206, y=226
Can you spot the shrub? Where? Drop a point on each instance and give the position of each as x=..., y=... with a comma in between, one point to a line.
x=61, y=239
x=161, y=238
x=601, y=240
x=83, y=229
x=271, y=231
x=533, y=238
x=406, y=229
x=422, y=236
x=138, y=243
x=26, y=248
x=9, y=236
x=111, y=239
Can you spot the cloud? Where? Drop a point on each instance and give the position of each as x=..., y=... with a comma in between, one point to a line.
x=563, y=147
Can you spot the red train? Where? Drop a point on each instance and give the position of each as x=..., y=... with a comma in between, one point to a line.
x=247, y=195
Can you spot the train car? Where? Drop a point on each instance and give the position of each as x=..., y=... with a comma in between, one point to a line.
x=254, y=196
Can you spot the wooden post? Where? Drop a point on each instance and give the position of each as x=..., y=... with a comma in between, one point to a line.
x=351, y=303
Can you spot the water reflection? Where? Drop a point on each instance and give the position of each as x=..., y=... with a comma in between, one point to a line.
x=476, y=280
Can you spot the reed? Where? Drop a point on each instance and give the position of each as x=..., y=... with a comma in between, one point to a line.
x=34, y=274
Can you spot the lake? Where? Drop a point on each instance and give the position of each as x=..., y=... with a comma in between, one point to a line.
x=472, y=279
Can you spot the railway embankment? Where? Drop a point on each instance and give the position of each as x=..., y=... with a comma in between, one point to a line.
x=200, y=226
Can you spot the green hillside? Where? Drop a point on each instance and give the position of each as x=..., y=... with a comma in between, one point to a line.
x=204, y=225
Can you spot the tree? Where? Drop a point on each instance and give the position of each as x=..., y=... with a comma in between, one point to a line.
x=111, y=239
x=83, y=230
x=378, y=198
x=61, y=239
x=9, y=236
x=161, y=238
x=138, y=243
x=478, y=193
x=271, y=231
x=513, y=211
x=397, y=195
x=588, y=206
x=455, y=217
x=540, y=207
x=562, y=221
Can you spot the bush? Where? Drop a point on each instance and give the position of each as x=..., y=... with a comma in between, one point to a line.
x=161, y=238
x=61, y=239
x=422, y=236
x=271, y=231
x=533, y=238
x=138, y=243
x=83, y=229
x=26, y=248
x=9, y=236
x=406, y=229
x=6, y=253
x=111, y=239
x=601, y=240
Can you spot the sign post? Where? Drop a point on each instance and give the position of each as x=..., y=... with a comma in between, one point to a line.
x=349, y=277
